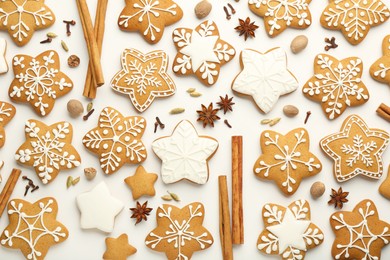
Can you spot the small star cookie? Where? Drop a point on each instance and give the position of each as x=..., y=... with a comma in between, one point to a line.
x=7, y=112
x=380, y=70
x=142, y=183
x=118, y=248
x=356, y=149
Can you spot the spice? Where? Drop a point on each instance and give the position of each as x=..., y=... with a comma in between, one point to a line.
x=298, y=44
x=231, y=8
x=177, y=110
x=195, y=94
x=85, y=118
x=8, y=189
x=166, y=197
x=190, y=90
x=265, y=121
x=73, y=61
x=331, y=44
x=89, y=106
x=75, y=108
x=203, y=9
x=226, y=104
x=158, y=123
x=51, y=35
x=227, y=123
x=208, y=115
x=338, y=198
x=246, y=28
x=174, y=196
x=68, y=24
x=48, y=40
x=308, y=113
x=228, y=16
x=26, y=191
x=1, y=166
x=141, y=212
x=29, y=185
x=317, y=189
x=75, y=181
x=270, y=122
x=384, y=111
x=237, y=191
x=69, y=181
x=64, y=46
x=290, y=110
x=34, y=189
x=90, y=173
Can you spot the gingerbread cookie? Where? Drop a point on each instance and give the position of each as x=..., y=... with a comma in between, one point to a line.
x=384, y=189
x=380, y=70
x=33, y=228
x=48, y=149
x=360, y=234
x=149, y=17
x=201, y=52
x=286, y=159
x=280, y=14
x=118, y=248
x=356, y=149
x=143, y=78
x=117, y=140
x=3, y=60
x=264, y=77
x=289, y=232
x=142, y=183
x=179, y=232
x=336, y=84
x=354, y=18
x=7, y=112
x=185, y=154
x=39, y=81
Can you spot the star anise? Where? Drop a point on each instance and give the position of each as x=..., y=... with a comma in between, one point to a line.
x=226, y=104
x=141, y=212
x=246, y=28
x=208, y=115
x=338, y=198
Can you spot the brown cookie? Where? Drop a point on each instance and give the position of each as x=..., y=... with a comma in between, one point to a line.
x=7, y=112
x=3, y=60
x=142, y=183
x=118, y=248
x=380, y=70
x=384, y=189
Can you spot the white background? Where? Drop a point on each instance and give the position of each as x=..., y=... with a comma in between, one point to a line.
x=89, y=244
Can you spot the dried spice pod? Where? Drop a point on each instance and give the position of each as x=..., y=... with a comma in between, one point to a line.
x=90, y=173
x=290, y=110
x=246, y=28
x=203, y=9
x=177, y=110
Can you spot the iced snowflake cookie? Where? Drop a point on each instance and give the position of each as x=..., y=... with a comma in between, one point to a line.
x=33, y=228
x=143, y=78
x=201, y=52
x=142, y=183
x=48, y=149
x=384, y=189
x=3, y=60
x=356, y=149
x=179, y=232
x=21, y=18
x=7, y=112
x=380, y=70
x=286, y=159
x=336, y=84
x=117, y=140
x=280, y=14
x=39, y=81
x=354, y=18
x=264, y=77
x=289, y=231
x=185, y=154
x=360, y=234
x=149, y=17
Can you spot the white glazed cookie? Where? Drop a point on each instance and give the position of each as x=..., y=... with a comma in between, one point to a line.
x=3, y=60
x=264, y=77
x=380, y=70
x=185, y=154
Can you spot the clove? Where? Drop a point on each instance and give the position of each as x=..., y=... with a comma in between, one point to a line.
x=308, y=113
x=48, y=40
x=331, y=43
x=85, y=118
x=68, y=24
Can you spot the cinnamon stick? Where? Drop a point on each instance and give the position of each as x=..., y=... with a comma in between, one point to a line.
x=8, y=189
x=237, y=210
x=224, y=220
x=384, y=112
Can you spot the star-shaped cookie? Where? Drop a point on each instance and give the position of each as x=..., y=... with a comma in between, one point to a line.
x=360, y=234
x=336, y=84
x=380, y=70
x=118, y=248
x=7, y=112
x=33, y=228
x=286, y=159
x=117, y=140
x=201, y=52
x=280, y=14
x=48, y=149
x=39, y=81
x=264, y=77
x=185, y=154
x=142, y=183
x=356, y=149
x=3, y=60
x=149, y=17
x=289, y=231
x=21, y=18
x=384, y=189
x=143, y=78
x=98, y=208
x=354, y=18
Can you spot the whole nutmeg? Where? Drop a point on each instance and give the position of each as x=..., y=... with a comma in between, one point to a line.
x=203, y=9
x=90, y=173
x=317, y=189
x=75, y=108
x=290, y=110
x=299, y=43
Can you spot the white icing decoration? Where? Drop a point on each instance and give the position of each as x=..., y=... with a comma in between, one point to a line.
x=98, y=208
x=265, y=77
x=3, y=61
x=184, y=154
x=382, y=72
x=380, y=69
x=359, y=151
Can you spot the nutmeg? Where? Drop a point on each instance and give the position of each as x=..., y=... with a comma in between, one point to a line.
x=203, y=9
x=75, y=108
x=290, y=110
x=299, y=43
x=317, y=189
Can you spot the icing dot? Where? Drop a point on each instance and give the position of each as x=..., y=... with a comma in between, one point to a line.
x=119, y=149
x=120, y=128
x=105, y=146
x=115, y=138
x=105, y=131
x=20, y=9
x=127, y=138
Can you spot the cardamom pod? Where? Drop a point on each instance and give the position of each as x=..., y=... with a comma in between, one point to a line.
x=265, y=121
x=195, y=94
x=174, y=196
x=75, y=181
x=69, y=182
x=274, y=121
x=89, y=106
x=51, y=35
x=177, y=110
x=190, y=90
x=166, y=197
x=64, y=46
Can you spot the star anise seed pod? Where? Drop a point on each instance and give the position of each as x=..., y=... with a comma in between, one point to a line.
x=208, y=115
x=338, y=198
x=246, y=28
x=226, y=104
x=141, y=212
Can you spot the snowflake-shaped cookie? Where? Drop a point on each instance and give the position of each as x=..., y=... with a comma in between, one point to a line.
x=360, y=234
x=336, y=84
x=380, y=70
x=117, y=140
x=179, y=232
x=201, y=52
x=289, y=231
x=354, y=18
x=286, y=159
x=264, y=77
x=48, y=149
x=143, y=77
x=356, y=149
x=7, y=112
x=39, y=81
x=149, y=17
x=185, y=154
x=21, y=18
x=33, y=228
x=280, y=14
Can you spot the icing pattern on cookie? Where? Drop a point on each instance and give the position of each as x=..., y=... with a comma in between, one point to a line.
x=265, y=77
x=3, y=61
x=48, y=149
x=201, y=52
x=356, y=149
x=380, y=70
x=143, y=77
x=336, y=84
x=184, y=154
x=7, y=112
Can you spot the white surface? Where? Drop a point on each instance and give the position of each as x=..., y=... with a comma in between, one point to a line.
x=89, y=245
